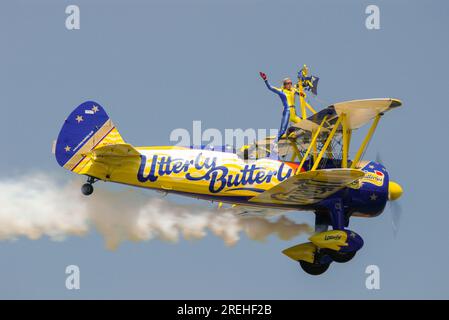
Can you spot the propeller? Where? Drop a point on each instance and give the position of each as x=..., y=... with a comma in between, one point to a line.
x=396, y=212
x=394, y=193
x=379, y=158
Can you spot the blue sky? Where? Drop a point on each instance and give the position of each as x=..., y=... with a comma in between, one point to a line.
x=159, y=65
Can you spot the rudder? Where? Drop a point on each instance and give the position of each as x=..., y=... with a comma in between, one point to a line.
x=86, y=128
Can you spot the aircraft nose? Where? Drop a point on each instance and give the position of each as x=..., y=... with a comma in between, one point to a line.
x=394, y=191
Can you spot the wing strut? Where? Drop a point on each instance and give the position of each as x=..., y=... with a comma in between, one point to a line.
x=326, y=144
x=366, y=140
x=346, y=141
x=312, y=143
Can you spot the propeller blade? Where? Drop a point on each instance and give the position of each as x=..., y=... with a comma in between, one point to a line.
x=396, y=212
x=379, y=158
x=395, y=192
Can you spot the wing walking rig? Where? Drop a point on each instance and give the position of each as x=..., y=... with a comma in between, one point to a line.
x=311, y=170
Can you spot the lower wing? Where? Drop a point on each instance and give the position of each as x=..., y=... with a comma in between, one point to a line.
x=309, y=187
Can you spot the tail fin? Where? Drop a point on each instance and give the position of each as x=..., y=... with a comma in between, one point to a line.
x=88, y=127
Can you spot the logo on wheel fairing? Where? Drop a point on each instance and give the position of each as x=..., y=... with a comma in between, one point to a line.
x=331, y=237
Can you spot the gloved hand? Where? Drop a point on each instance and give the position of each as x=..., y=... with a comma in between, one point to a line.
x=263, y=76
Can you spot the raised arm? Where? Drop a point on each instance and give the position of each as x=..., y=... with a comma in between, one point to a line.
x=265, y=79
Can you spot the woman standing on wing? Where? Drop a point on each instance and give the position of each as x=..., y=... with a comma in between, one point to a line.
x=287, y=94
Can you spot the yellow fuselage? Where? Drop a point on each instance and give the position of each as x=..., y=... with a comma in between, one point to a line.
x=190, y=171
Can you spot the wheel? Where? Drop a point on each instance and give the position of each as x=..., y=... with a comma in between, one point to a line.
x=87, y=189
x=313, y=268
x=341, y=257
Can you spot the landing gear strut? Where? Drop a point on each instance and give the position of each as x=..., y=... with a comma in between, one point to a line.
x=88, y=188
x=336, y=245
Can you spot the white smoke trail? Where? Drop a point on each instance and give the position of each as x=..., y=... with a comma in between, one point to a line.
x=37, y=205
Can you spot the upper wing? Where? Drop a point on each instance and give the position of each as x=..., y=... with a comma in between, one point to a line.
x=309, y=187
x=308, y=125
x=358, y=112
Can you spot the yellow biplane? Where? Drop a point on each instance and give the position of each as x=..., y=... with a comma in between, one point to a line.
x=311, y=171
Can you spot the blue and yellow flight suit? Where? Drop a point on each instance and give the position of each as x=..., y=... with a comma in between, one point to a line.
x=288, y=101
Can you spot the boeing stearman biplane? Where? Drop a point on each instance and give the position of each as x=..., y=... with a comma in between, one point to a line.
x=310, y=171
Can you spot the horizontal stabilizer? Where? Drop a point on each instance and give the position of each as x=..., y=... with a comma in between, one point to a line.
x=309, y=187
x=115, y=150
x=110, y=160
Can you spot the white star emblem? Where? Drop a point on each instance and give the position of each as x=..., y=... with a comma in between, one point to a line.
x=95, y=109
x=352, y=235
x=373, y=197
x=79, y=119
x=371, y=167
x=67, y=149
